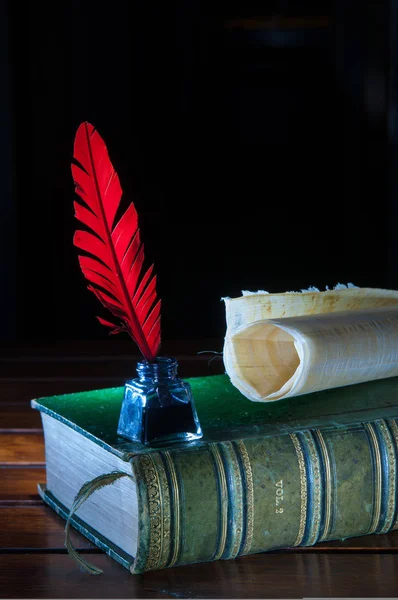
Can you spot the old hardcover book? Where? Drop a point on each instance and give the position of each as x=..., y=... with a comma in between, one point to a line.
x=264, y=476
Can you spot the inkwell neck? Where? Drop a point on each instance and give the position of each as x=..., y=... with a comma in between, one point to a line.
x=160, y=369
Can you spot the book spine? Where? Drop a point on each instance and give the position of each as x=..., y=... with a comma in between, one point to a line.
x=228, y=499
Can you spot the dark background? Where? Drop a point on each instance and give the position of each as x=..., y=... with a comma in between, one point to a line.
x=257, y=142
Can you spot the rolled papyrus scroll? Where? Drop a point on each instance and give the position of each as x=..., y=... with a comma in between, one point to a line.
x=282, y=345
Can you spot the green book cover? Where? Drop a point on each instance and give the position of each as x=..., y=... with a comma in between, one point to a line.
x=264, y=476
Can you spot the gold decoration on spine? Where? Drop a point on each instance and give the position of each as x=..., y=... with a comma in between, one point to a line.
x=316, y=489
x=303, y=488
x=223, y=500
x=175, y=492
x=237, y=501
x=155, y=511
x=328, y=485
x=165, y=510
x=377, y=480
x=249, y=495
x=392, y=467
x=394, y=428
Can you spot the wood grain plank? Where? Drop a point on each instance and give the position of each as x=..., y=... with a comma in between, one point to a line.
x=100, y=361
x=19, y=485
x=21, y=449
x=36, y=527
x=258, y=576
x=18, y=416
x=100, y=371
x=110, y=348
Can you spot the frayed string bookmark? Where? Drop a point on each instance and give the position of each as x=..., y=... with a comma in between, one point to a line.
x=83, y=494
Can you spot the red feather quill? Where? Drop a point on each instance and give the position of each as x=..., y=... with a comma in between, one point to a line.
x=116, y=258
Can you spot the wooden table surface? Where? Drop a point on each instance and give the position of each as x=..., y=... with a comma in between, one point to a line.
x=33, y=560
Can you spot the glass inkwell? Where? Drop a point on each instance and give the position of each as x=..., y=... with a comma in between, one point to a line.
x=158, y=407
